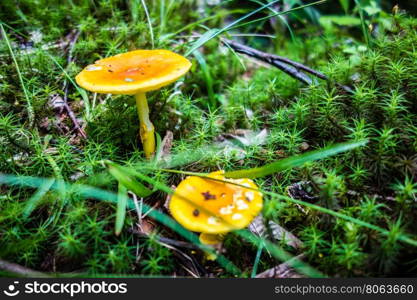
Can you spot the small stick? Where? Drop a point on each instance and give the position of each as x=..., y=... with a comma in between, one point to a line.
x=71, y=114
x=66, y=106
x=20, y=270
x=286, y=65
x=71, y=45
x=165, y=240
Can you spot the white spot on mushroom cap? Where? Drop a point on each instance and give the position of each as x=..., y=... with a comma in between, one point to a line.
x=250, y=195
x=226, y=210
x=237, y=217
x=190, y=188
x=93, y=68
x=241, y=205
x=127, y=79
x=212, y=220
x=237, y=196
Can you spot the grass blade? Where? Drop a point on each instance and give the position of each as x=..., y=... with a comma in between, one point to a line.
x=404, y=238
x=215, y=32
x=281, y=18
x=207, y=77
x=159, y=149
x=34, y=200
x=257, y=260
x=294, y=161
x=281, y=254
x=365, y=30
x=121, y=208
x=31, y=113
x=148, y=18
x=345, y=5
x=207, y=36
x=135, y=186
x=279, y=14
x=134, y=9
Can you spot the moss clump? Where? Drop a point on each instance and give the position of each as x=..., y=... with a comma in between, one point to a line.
x=68, y=233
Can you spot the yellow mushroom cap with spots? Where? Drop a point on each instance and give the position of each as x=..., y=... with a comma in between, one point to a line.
x=215, y=207
x=133, y=72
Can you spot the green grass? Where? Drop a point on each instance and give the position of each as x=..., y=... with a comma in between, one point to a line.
x=63, y=206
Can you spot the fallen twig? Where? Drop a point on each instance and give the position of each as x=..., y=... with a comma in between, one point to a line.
x=165, y=240
x=73, y=40
x=20, y=270
x=288, y=66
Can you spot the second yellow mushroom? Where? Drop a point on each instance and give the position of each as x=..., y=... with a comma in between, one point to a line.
x=213, y=207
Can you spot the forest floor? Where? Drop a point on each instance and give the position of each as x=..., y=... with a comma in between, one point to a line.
x=351, y=214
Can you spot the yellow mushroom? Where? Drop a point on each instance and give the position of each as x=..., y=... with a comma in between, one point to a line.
x=135, y=73
x=214, y=208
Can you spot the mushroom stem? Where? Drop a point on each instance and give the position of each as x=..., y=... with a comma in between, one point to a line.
x=213, y=240
x=146, y=131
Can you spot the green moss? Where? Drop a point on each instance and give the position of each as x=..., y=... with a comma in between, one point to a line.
x=376, y=183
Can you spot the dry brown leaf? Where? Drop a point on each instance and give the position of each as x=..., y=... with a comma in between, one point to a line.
x=146, y=227
x=278, y=232
x=167, y=144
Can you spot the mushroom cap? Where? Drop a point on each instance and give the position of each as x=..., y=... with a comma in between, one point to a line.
x=215, y=207
x=133, y=72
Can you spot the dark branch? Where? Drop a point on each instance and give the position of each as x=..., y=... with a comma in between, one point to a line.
x=71, y=114
x=288, y=66
x=20, y=270
x=165, y=240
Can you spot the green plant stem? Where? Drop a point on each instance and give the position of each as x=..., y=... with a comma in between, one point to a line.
x=276, y=14
x=295, y=161
x=146, y=131
x=148, y=18
x=207, y=77
x=257, y=260
x=31, y=113
x=363, y=23
x=211, y=34
x=121, y=208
